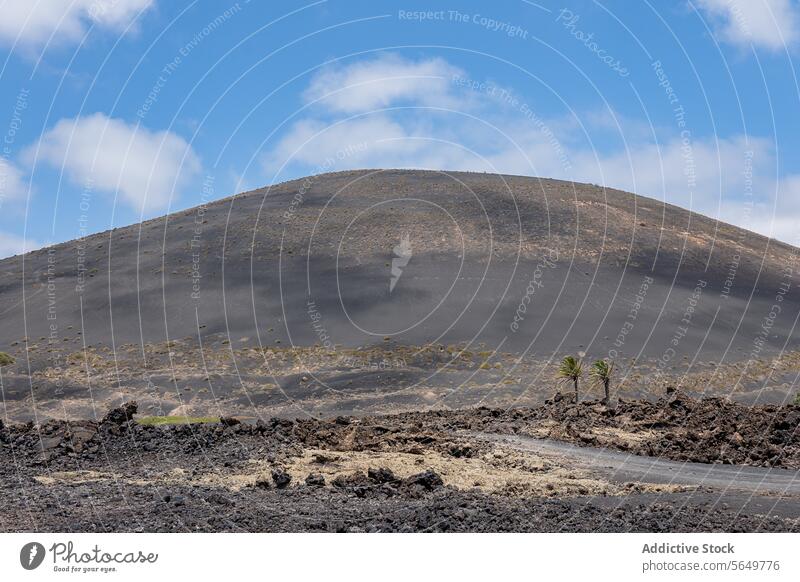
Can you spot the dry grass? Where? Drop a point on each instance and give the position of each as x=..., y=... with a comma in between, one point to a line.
x=500, y=471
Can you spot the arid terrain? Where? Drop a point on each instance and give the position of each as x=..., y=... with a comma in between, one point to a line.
x=377, y=351
x=481, y=469
x=302, y=299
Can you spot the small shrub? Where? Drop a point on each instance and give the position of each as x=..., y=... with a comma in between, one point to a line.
x=602, y=372
x=5, y=359
x=571, y=369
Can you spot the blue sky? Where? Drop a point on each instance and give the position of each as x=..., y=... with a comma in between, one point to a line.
x=118, y=110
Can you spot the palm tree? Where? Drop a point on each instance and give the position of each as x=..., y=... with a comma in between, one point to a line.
x=601, y=371
x=571, y=369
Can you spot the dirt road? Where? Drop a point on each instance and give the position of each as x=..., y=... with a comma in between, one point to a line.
x=624, y=467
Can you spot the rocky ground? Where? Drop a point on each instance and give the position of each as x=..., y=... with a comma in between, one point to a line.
x=677, y=427
x=422, y=471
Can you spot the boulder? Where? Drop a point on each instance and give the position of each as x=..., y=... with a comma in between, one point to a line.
x=382, y=475
x=121, y=414
x=352, y=480
x=428, y=480
x=281, y=478
x=49, y=443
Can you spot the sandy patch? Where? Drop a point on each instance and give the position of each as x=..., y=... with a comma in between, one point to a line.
x=609, y=435
x=176, y=475
x=500, y=471
x=605, y=436
x=73, y=477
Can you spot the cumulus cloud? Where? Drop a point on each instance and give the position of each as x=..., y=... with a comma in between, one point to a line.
x=778, y=215
x=699, y=175
x=730, y=178
x=144, y=167
x=11, y=182
x=36, y=22
x=314, y=146
x=771, y=24
x=381, y=81
x=11, y=245
x=359, y=134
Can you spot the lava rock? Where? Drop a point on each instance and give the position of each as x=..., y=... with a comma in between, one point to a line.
x=121, y=414
x=315, y=480
x=428, y=480
x=459, y=451
x=281, y=478
x=382, y=475
x=355, y=479
x=50, y=443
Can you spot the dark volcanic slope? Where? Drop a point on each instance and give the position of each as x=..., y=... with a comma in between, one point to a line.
x=310, y=261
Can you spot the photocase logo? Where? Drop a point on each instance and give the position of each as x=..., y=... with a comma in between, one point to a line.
x=402, y=254
x=31, y=555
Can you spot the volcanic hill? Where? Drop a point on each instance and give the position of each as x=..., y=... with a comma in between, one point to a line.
x=378, y=290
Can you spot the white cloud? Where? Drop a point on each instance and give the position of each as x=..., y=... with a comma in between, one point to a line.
x=378, y=82
x=11, y=245
x=11, y=183
x=779, y=215
x=354, y=143
x=146, y=168
x=35, y=22
x=699, y=178
x=488, y=133
x=771, y=24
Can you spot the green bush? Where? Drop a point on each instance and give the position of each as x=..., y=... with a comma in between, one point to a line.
x=797, y=399
x=5, y=359
x=571, y=369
